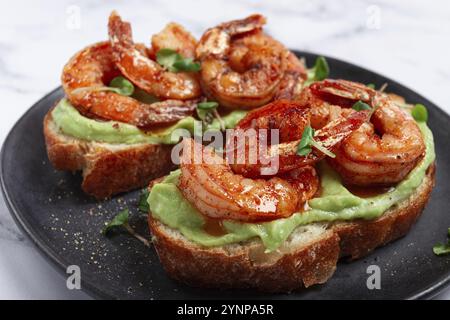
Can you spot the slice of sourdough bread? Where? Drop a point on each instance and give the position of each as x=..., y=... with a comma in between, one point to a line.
x=308, y=257
x=107, y=169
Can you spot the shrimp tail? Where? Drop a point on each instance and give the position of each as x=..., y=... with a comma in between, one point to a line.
x=290, y=118
x=342, y=92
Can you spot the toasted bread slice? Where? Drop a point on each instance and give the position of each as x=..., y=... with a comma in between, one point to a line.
x=308, y=257
x=107, y=169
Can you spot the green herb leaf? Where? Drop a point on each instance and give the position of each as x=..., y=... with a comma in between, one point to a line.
x=187, y=65
x=175, y=62
x=204, y=110
x=166, y=58
x=143, y=204
x=371, y=85
x=143, y=96
x=207, y=111
x=441, y=249
x=121, y=219
x=307, y=136
x=122, y=86
x=304, y=147
x=204, y=115
x=207, y=105
x=420, y=113
x=319, y=72
x=307, y=142
x=322, y=70
x=304, y=151
x=359, y=106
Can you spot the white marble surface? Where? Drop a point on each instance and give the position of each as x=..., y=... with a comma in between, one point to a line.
x=405, y=40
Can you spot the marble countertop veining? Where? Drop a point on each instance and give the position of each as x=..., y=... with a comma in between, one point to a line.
x=407, y=41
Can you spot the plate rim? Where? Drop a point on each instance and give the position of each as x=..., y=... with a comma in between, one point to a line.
x=54, y=258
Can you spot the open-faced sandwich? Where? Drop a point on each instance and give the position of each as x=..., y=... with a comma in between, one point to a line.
x=281, y=171
x=123, y=103
x=350, y=170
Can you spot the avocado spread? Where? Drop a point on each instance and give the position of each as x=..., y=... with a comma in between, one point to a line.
x=72, y=123
x=335, y=203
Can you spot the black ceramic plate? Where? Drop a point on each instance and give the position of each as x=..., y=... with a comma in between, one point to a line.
x=65, y=224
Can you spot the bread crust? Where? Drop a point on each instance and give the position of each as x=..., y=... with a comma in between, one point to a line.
x=234, y=266
x=107, y=169
x=221, y=268
x=358, y=238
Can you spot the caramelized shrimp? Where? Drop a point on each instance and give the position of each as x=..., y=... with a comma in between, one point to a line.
x=343, y=93
x=87, y=74
x=217, y=192
x=321, y=111
x=290, y=118
x=292, y=83
x=241, y=66
x=382, y=151
x=175, y=37
x=146, y=73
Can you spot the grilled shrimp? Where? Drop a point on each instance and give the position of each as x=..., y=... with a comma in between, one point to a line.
x=146, y=73
x=290, y=118
x=175, y=37
x=329, y=100
x=241, y=66
x=217, y=192
x=342, y=92
x=382, y=151
x=292, y=83
x=87, y=73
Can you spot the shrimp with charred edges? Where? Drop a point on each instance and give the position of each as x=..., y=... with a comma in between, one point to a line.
x=148, y=74
x=382, y=151
x=217, y=192
x=85, y=77
x=242, y=67
x=293, y=80
x=324, y=106
x=290, y=119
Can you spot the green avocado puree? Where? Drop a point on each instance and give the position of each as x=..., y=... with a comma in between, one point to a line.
x=335, y=203
x=72, y=123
